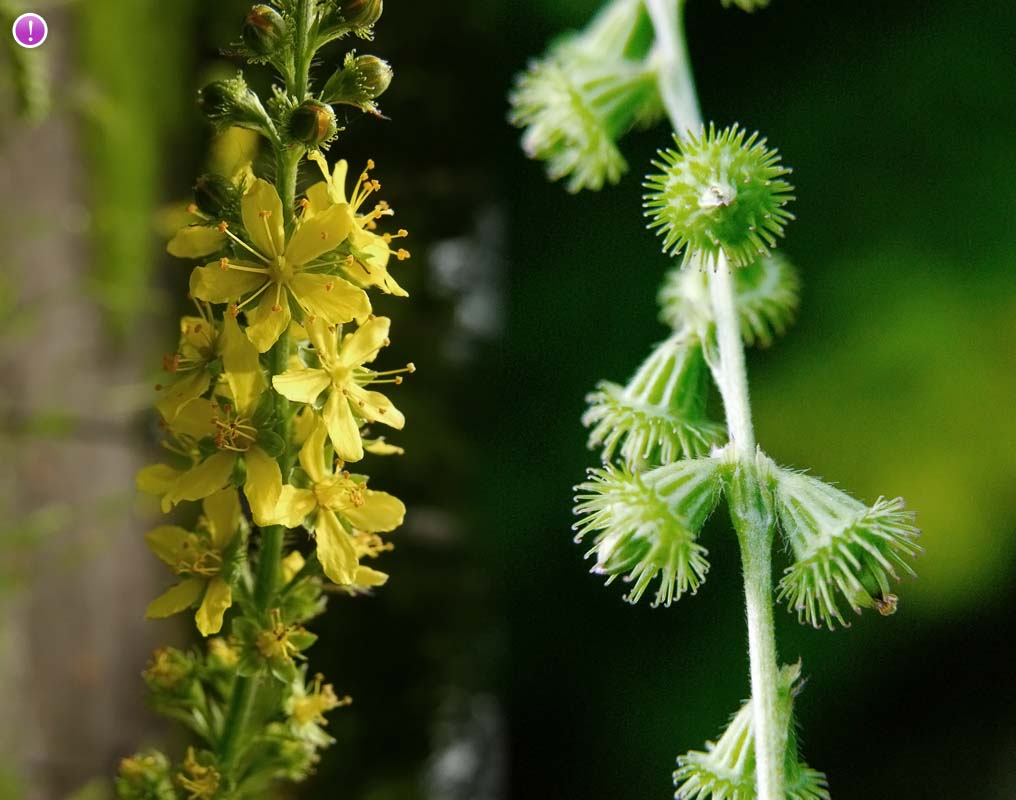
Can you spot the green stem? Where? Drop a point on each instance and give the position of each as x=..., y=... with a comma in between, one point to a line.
x=272, y=537
x=754, y=530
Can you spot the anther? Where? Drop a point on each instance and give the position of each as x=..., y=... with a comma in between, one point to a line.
x=223, y=264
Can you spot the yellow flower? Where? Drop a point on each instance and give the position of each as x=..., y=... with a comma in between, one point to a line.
x=369, y=252
x=342, y=505
x=233, y=429
x=200, y=781
x=205, y=237
x=198, y=558
x=198, y=349
x=343, y=375
x=283, y=271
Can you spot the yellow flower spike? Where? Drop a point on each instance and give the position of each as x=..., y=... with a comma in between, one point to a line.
x=198, y=557
x=282, y=272
x=344, y=375
x=367, y=264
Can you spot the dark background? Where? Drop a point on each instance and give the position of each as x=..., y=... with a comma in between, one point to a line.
x=493, y=665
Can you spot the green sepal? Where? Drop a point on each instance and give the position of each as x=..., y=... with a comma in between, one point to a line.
x=269, y=441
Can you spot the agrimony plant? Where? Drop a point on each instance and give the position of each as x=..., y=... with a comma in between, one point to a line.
x=268, y=410
x=719, y=199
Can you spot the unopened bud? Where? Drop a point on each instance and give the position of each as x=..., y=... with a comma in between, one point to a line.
x=231, y=102
x=360, y=81
x=312, y=123
x=263, y=30
x=360, y=13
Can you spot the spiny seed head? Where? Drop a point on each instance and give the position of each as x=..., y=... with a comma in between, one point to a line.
x=845, y=552
x=660, y=415
x=719, y=193
x=766, y=296
x=647, y=524
x=725, y=770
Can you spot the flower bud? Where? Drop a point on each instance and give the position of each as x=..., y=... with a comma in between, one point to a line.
x=231, y=102
x=360, y=81
x=312, y=123
x=263, y=30
x=145, y=776
x=213, y=195
x=360, y=13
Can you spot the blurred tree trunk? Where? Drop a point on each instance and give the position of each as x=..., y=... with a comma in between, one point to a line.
x=72, y=635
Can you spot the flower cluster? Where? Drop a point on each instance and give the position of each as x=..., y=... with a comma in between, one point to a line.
x=271, y=396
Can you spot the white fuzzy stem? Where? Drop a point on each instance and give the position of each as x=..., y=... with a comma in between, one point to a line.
x=679, y=98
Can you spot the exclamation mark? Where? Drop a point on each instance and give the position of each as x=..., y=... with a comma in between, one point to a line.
x=31, y=31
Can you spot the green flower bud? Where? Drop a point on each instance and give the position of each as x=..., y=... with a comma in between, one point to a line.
x=145, y=776
x=360, y=81
x=214, y=195
x=263, y=30
x=660, y=416
x=232, y=102
x=649, y=523
x=360, y=13
x=312, y=123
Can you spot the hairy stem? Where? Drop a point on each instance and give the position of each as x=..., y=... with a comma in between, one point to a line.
x=754, y=533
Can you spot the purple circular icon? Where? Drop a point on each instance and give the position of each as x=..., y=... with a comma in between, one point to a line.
x=30, y=30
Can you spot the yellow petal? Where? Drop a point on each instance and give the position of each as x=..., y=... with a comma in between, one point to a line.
x=343, y=429
x=325, y=340
x=269, y=320
x=223, y=512
x=243, y=368
x=217, y=285
x=335, y=549
x=319, y=234
x=168, y=542
x=375, y=407
x=312, y=454
x=338, y=181
x=156, y=479
x=291, y=565
x=263, y=486
x=370, y=268
x=202, y=480
x=379, y=447
x=293, y=507
x=335, y=300
x=363, y=345
x=178, y=598
x=176, y=395
x=261, y=210
x=365, y=576
x=196, y=241
x=301, y=385
x=379, y=513
x=318, y=199
x=218, y=598
x=195, y=419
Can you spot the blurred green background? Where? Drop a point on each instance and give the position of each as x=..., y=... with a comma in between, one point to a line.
x=493, y=666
